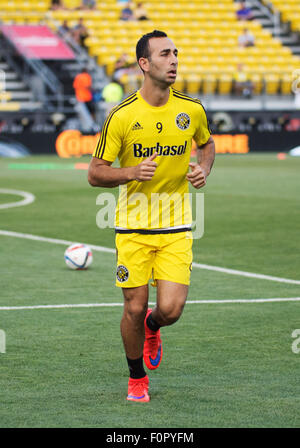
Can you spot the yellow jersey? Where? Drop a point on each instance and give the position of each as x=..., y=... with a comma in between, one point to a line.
x=135, y=130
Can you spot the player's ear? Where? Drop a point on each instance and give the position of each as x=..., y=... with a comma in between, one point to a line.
x=144, y=64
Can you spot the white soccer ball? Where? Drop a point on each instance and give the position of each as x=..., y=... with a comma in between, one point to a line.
x=78, y=256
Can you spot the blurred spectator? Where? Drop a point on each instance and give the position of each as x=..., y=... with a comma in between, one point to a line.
x=64, y=30
x=122, y=62
x=246, y=39
x=56, y=4
x=88, y=4
x=127, y=73
x=113, y=92
x=244, y=13
x=80, y=33
x=242, y=85
x=83, y=90
x=122, y=66
x=127, y=13
x=140, y=13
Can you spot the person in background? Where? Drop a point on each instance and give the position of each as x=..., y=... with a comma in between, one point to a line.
x=64, y=30
x=112, y=94
x=246, y=39
x=127, y=13
x=83, y=90
x=244, y=13
x=140, y=13
x=80, y=33
x=88, y=4
x=123, y=66
x=57, y=4
x=242, y=86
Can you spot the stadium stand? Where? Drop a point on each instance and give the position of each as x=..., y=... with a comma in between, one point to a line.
x=31, y=84
x=208, y=60
x=269, y=15
x=206, y=34
x=15, y=95
x=289, y=10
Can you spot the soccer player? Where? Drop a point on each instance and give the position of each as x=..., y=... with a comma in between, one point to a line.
x=151, y=133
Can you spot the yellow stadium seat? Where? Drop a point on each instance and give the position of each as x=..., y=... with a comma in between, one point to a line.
x=180, y=83
x=209, y=84
x=271, y=84
x=286, y=84
x=225, y=84
x=257, y=83
x=193, y=83
x=206, y=34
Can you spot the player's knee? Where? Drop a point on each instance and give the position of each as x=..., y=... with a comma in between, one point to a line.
x=135, y=309
x=170, y=313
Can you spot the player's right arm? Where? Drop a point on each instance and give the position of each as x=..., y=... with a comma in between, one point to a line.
x=102, y=174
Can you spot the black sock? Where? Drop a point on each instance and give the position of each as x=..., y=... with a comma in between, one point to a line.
x=136, y=368
x=152, y=324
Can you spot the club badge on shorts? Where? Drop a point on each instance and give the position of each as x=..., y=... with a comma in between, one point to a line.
x=122, y=273
x=183, y=121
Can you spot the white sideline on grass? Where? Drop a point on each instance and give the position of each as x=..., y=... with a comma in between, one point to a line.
x=109, y=250
x=96, y=305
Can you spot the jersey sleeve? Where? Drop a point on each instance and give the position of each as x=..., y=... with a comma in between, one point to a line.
x=203, y=131
x=110, y=141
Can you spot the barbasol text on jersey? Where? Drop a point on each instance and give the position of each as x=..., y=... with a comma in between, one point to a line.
x=174, y=150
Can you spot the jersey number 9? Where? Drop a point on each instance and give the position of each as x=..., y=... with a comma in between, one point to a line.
x=159, y=126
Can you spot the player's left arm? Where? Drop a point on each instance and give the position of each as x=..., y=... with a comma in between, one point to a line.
x=202, y=168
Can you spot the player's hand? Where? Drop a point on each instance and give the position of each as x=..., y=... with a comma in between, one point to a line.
x=197, y=176
x=145, y=170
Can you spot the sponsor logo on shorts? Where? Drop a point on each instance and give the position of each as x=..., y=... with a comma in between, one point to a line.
x=183, y=121
x=122, y=273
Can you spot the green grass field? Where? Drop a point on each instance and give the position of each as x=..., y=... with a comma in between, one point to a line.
x=225, y=364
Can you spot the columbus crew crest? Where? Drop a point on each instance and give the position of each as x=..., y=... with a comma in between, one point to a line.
x=183, y=121
x=122, y=273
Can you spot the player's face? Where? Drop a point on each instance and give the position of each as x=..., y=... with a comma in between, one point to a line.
x=162, y=63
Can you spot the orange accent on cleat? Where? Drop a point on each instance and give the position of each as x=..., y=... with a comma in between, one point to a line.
x=152, y=346
x=138, y=390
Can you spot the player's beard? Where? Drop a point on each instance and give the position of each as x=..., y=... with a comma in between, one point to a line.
x=160, y=79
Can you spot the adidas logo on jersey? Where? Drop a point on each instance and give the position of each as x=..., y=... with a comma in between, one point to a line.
x=136, y=126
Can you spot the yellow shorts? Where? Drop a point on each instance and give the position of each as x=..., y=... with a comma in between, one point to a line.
x=159, y=256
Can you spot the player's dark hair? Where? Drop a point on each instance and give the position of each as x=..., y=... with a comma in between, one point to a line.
x=142, y=47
